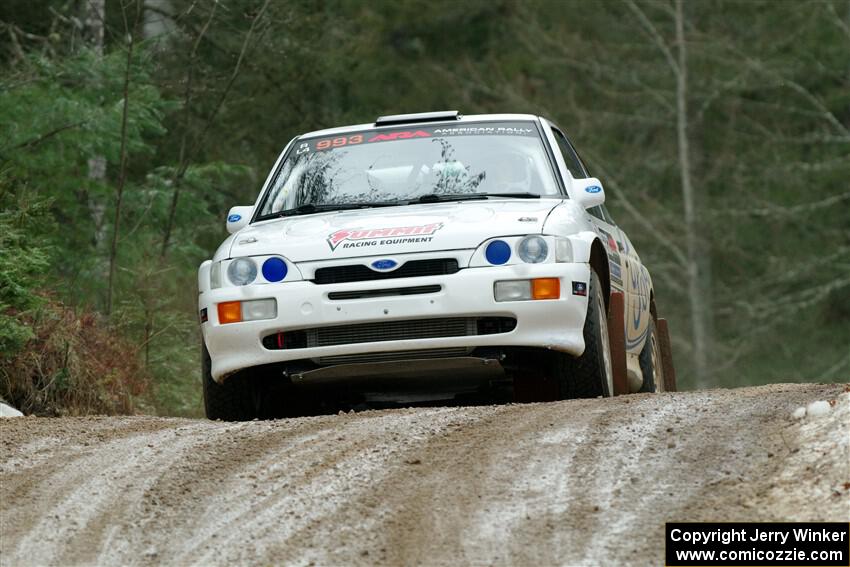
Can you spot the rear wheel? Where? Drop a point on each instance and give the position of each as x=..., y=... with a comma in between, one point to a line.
x=589, y=375
x=650, y=361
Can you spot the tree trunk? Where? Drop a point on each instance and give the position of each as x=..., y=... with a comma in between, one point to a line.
x=122, y=171
x=697, y=296
x=94, y=16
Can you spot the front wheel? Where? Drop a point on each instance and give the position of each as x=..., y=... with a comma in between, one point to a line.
x=235, y=399
x=589, y=375
x=254, y=393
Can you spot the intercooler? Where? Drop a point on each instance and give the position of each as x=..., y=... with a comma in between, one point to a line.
x=383, y=331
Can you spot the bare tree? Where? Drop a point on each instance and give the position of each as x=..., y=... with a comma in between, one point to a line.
x=94, y=18
x=186, y=157
x=699, y=299
x=122, y=171
x=696, y=261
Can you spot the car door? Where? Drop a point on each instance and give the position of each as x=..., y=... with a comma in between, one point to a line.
x=637, y=285
x=628, y=274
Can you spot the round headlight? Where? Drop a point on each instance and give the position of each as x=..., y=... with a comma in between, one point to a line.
x=242, y=271
x=498, y=252
x=274, y=269
x=533, y=249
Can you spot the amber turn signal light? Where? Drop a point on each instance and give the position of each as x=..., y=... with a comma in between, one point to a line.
x=546, y=288
x=229, y=312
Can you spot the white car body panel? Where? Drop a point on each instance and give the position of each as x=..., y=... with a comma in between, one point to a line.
x=454, y=230
x=339, y=234
x=466, y=293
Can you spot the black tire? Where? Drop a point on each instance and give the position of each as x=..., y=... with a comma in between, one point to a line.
x=235, y=399
x=589, y=375
x=254, y=393
x=650, y=361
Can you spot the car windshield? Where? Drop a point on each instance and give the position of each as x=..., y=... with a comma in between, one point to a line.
x=399, y=165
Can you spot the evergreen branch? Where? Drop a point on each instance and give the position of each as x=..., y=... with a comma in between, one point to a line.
x=41, y=138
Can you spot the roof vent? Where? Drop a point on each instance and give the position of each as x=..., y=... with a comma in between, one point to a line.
x=441, y=116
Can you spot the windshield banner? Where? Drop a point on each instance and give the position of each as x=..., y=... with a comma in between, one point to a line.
x=415, y=132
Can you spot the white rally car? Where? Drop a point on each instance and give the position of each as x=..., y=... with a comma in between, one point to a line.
x=425, y=255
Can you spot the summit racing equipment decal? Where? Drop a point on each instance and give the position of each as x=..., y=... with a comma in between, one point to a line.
x=361, y=237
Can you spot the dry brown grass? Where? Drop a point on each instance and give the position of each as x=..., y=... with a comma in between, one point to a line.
x=75, y=365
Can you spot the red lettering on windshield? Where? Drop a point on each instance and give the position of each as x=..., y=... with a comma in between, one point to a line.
x=399, y=136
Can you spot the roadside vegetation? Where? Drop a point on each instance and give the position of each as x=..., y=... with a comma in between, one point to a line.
x=720, y=129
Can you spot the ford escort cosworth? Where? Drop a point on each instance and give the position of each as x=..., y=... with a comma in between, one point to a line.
x=425, y=256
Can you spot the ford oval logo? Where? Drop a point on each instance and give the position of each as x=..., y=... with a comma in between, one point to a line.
x=384, y=265
x=234, y=218
x=593, y=189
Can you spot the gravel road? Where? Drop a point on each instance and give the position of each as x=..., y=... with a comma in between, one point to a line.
x=583, y=482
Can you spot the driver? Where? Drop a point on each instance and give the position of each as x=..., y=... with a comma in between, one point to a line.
x=510, y=172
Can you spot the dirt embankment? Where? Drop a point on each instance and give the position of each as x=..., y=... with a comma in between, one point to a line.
x=577, y=482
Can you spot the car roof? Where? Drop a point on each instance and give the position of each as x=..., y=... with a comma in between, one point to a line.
x=460, y=120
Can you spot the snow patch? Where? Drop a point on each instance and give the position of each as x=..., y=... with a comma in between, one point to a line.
x=9, y=411
x=818, y=409
x=814, y=474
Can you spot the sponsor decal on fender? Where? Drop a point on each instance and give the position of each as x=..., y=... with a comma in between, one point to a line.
x=613, y=258
x=360, y=237
x=612, y=244
x=580, y=288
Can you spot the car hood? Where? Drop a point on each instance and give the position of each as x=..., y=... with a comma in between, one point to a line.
x=395, y=230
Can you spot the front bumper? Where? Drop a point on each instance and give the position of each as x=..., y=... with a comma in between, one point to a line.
x=552, y=323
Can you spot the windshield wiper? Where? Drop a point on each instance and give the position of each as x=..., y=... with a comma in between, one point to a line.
x=437, y=197
x=310, y=208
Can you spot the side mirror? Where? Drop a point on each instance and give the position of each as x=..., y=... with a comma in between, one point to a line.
x=588, y=192
x=238, y=218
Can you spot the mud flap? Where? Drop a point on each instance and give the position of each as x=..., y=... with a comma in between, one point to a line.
x=666, y=355
x=617, y=340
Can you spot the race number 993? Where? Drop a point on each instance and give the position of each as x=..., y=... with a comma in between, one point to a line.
x=339, y=142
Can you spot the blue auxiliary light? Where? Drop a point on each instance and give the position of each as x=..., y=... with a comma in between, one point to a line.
x=498, y=252
x=274, y=269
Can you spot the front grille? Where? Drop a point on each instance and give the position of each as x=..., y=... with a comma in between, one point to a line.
x=412, y=329
x=285, y=341
x=365, y=294
x=361, y=273
x=393, y=331
x=393, y=356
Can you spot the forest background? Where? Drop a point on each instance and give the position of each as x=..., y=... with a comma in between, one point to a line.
x=128, y=128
